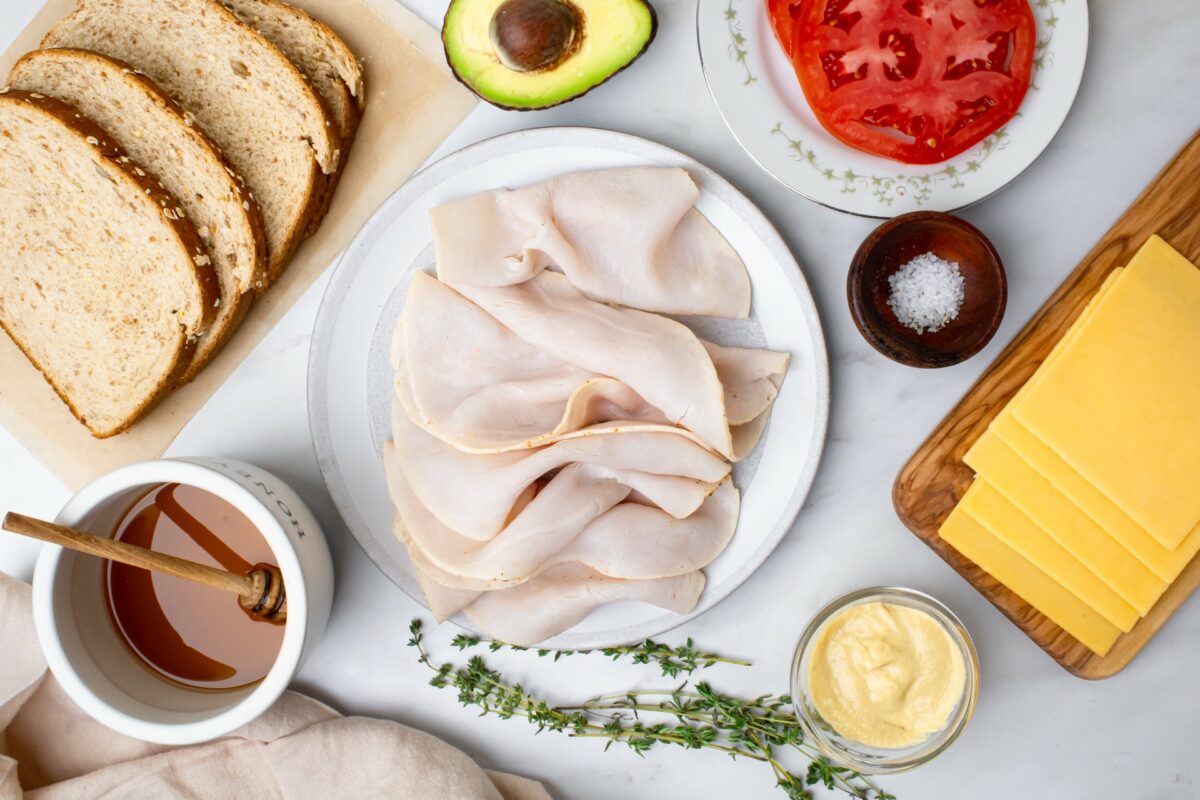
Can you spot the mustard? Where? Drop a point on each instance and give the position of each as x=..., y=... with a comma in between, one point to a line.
x=885, y=675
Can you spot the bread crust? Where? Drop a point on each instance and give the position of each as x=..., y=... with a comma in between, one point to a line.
x=316, y=202
x=183, y=356
x=351, y=79
x=330, y=182
x=277, y=260
x=180, y=228
x=237, y=305
x=352, y=91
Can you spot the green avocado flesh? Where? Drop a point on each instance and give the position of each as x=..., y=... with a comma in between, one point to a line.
x=539, y=53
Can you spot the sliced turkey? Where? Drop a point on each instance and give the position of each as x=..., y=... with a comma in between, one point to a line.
x=673, y=472
x=751, y=379
x=660, y=359
x=626, y=540
x=637, y=541
x=444, y=601
x=472, y=379
x=565, y=505
x=628, y=236
x=562, y=596
x=473, y=383
x=559, y=443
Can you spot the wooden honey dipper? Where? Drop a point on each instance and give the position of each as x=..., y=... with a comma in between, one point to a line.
x=260, y=591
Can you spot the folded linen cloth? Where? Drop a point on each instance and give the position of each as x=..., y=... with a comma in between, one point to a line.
x=299, y=749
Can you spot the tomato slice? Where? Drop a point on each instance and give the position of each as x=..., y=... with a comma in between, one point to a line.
x=918, y=81
x=783, y=22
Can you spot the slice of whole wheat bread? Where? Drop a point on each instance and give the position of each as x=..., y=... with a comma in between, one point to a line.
x=324, y=59
x=242, y=91
x=158, y=135
x=104, y=283
x=317, y=50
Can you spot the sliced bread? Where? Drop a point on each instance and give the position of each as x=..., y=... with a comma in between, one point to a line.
x=158, y=135
x=324, y=59
x=242, y=91
x=318, y=51
x=104, y=283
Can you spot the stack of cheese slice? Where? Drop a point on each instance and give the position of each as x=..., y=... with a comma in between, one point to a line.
x=1085, y=501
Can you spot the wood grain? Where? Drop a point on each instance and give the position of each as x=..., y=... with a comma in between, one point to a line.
x=260, y=592
x=126, y=553
x=935, y=478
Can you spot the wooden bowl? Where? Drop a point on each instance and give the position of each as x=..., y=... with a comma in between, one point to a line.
x=898, y=241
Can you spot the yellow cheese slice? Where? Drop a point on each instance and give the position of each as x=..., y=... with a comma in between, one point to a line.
x=1060, y=345
x=1028, y=582
x=1118, y=402
x=1006, y=522
x=1166, y=564
x=1067, y=337
x=1078, y=534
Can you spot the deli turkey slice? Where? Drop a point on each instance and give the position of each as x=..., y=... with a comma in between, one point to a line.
x=560, y=597
x=472, y=382
x=625, y=540
x=638, y=542
x=660, y=359
x=628, y=236
x=475, y=383
x=751, y=379
x=672, y=471
x=556, y=515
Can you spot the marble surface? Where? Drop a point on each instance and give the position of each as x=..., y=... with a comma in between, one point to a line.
x=1038, y=732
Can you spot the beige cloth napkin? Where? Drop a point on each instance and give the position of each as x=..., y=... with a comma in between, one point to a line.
x=299, y=749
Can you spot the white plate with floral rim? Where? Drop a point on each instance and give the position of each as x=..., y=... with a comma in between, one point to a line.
x=758, y=95
x=351, y=382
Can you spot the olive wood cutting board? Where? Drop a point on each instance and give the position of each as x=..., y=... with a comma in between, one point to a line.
x=935, y=478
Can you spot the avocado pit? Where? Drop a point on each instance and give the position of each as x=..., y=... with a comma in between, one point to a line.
x=535, y=35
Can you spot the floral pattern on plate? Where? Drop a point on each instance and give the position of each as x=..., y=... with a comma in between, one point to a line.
x=756, y=91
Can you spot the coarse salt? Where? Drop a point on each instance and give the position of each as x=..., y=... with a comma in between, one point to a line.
x=926, y=293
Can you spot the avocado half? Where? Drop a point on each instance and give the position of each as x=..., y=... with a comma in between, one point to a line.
x=530, y=54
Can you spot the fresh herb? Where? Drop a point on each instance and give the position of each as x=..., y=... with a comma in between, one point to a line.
x=671, y=660
x=693, y=717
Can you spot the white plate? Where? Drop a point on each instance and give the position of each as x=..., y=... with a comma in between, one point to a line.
x=759, y=97
x=350, y=380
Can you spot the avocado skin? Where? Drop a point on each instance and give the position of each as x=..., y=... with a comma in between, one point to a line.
x=498, y=104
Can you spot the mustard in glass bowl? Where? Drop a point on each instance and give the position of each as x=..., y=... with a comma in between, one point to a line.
x=884, y=679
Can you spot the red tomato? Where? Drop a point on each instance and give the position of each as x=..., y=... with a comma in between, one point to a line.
x=918, y=81
x=783, y=22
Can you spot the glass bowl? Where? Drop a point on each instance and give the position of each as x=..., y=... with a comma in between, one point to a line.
x=864, y=758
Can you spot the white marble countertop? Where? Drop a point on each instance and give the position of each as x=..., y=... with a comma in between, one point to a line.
x=1038, y=732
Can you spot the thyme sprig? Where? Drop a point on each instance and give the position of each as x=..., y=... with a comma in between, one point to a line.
x=695, y=717
x=672, y=661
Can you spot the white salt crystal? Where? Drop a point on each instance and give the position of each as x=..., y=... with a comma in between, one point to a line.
x=927, y=293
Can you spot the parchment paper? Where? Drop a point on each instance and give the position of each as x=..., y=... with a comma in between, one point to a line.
x=412, y=105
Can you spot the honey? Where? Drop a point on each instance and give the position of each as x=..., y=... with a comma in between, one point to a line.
x=184, y=632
